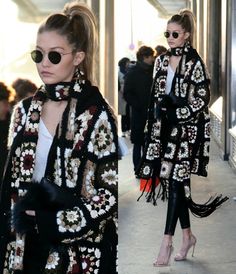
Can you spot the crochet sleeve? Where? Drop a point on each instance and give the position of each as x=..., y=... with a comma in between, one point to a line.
x=18, y=119
x=197, y=88
x=97, y=204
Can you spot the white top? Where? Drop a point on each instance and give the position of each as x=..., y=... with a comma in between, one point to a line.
x=43, y=146
x=169, y=79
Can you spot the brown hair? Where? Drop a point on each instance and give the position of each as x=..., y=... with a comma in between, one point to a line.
x=78, y=24
x=186, y=20
x=144, y=51
x=6, y=92
x=23, y=88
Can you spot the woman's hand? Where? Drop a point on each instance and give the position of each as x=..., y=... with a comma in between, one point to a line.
x=30, y=212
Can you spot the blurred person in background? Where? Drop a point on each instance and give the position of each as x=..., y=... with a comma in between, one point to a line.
x=60, y=184
x=160, y=50
x=123, y=107
x=137, y=88
x=24, y=88
x=6, y=96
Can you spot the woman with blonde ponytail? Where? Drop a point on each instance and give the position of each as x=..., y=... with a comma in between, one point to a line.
x=178, y=134
x=58, y=201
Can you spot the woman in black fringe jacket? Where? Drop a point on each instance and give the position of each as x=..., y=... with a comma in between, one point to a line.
x=58, y=207
x=178, y=134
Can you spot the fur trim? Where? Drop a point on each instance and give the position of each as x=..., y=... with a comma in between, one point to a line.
x=40, y=196
x=34, y=199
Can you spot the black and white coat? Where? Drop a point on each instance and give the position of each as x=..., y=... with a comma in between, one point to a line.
x=184, y=127
x=83, y=162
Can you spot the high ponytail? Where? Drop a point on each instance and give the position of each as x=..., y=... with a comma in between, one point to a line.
x=78, y=24
x=186, y=20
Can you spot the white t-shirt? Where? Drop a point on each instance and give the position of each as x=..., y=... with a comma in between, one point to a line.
x=43, y=146
x=169, y=79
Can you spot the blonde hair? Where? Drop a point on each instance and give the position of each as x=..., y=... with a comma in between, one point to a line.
x=78, y=24
x=186, y=20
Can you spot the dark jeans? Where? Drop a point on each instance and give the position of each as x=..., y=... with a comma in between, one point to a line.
x=177, y=208
x=137, y=154
x=125, y=120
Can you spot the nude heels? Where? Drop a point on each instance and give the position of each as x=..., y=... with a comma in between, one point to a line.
x=182, y=255
x=165, y=261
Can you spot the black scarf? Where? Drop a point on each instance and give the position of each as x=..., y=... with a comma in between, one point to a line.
x=64, y=90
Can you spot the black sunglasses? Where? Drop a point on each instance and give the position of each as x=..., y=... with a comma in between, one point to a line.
x=174, y=34
x=53, y=56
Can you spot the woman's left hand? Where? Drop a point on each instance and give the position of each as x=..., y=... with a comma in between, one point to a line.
x=30, y=212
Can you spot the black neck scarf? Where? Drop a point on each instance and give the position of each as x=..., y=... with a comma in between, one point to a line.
x=62, y=91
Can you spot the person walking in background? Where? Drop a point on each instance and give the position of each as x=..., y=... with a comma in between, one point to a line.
x=137, y=89
x=123, y=107
x=60, y=183
x=160, y=50
x=178, y=134
x=6, y=95
x=24, y=88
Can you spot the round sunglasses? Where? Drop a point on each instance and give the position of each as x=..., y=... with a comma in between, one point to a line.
x=174, y=34
x=53, y=56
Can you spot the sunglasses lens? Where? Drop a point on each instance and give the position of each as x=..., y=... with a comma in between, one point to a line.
x=54, y=57
x=175, y=35
x=166, y=34
x=37, y=56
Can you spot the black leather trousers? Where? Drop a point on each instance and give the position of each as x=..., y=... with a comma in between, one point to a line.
x=177, y=208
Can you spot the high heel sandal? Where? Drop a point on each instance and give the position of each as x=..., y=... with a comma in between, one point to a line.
x=166, y=260
x=182, y=255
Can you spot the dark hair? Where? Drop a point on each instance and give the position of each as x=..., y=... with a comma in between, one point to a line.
x=5, y=92
x=78, y=24
x=123, y=62
x=160, y=50
x=144, y=51
x=186, y=20
x=23, y=88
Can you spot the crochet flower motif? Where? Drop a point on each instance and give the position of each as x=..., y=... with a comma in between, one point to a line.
x=192, y=134
x=146, y=170
x=183, y=151
x=153, y=151
x=162, y=84
x=83, y=121
x=90, y=258
x=170, y=151
x=202, y=92
x=182, y=113
x=77, y=87
x=19, y=120
x=72, y=169
x=32, y=122
x=156, y=130
x=165, y=169
x=197, y=104
x=198, y=74
x=101, y=143
x=110, y=177
x=70, y=220
x=27, y=160
x=207, y=130
x=52, y=261
x=100, y=204
x=206, y=150
x=62, y=91
x=181, y=171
